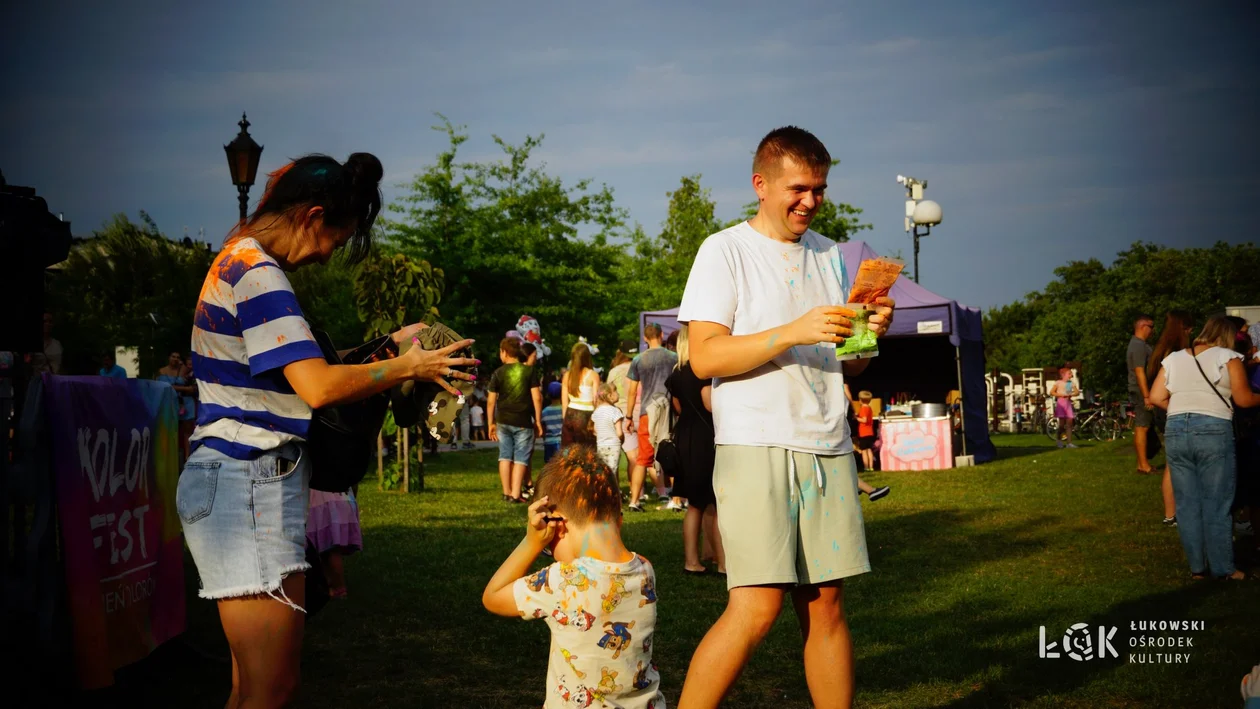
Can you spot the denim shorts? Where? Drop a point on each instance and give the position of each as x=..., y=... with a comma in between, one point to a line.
x=245, y=520
x=516, y=443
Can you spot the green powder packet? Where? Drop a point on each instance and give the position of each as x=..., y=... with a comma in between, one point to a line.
x=863, y=343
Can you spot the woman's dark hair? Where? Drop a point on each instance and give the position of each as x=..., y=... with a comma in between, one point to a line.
x=1176, y=331
x=350, y=194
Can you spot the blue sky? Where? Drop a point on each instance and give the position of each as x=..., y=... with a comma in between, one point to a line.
x=1047, y=131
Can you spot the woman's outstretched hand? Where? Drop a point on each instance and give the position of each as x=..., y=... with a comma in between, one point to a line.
x=438, y=365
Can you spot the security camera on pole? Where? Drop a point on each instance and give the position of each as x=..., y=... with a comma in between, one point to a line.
x=919, y=213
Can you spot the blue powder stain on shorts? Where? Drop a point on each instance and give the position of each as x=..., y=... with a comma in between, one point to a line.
x=835, y=545
x=842, y=498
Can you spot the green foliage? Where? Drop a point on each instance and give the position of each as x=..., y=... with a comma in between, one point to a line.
x=506, y=235
x=127, y=286
x=395, y=290
x=1086, y=314
x=326, y=294
x=661, y=264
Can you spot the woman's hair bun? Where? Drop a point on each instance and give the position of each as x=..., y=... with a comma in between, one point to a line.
x=365, y=171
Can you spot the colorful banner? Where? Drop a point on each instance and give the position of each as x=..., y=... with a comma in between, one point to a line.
x=116, y=464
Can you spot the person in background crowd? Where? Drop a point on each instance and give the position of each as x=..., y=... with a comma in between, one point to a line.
x=577, y=397
x=1195, y=387
x=110, y=368
x=49, y=358
x=1247, y=446
x=866, y=430
x=188, y=405
x=1136, y=357
x=617, y=377
x=553, y=422
x=514, y=414
x=244, y=494
x=1062, y=390
x=607, y=420
x=866, y=444
x=333, y=529
x=529, y=356
x=1174, y=338
x=691, y=398
x=851, y=420
x=477, y=418
x=646, y=380
x=173, y=374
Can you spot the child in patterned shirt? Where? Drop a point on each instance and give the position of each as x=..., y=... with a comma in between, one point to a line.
x=598, y=598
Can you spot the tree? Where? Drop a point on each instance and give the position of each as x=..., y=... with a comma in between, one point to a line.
x=506, y=235
x=662, y=264
x=326, y=294
x=393, y=291
x=128, y=285
x=1086, y=314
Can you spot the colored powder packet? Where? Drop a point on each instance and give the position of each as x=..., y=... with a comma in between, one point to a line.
x=874, y=279
x=862, y=344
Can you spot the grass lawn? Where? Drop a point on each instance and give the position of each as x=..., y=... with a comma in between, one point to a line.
x=968, y=564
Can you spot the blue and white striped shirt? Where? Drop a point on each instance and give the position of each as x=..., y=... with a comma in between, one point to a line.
x=248, y=326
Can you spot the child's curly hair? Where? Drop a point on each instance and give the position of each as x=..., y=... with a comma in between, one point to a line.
x=581, y=486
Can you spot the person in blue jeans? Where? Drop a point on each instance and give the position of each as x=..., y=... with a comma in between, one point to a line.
x=1195, y=387
x=514, y=416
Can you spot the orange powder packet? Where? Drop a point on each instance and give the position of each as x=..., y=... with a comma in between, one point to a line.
x=874, y=279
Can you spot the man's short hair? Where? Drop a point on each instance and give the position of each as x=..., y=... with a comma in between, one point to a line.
x=791, y=142
x=527, y=349
x=1144, y=317
x=511, y=346
x=652, y=331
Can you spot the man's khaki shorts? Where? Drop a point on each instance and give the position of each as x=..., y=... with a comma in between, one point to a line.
x=788, y=517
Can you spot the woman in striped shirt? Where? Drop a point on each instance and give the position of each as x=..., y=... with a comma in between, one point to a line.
x=243, y=493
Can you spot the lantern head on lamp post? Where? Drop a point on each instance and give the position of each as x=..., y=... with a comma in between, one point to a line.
x=920, y=213
x=242, y=156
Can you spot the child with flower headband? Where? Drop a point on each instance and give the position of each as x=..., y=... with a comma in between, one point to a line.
x=598, y=598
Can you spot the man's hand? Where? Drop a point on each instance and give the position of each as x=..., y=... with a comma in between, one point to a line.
x=882, y=318
x=538, y=429
x=493, y=432
x=1146, y=400
x=826, y=323
x=542, y=525
x=407, y=332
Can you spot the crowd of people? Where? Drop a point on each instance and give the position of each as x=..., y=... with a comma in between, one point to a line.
x=1195, y=395
x=742, y=420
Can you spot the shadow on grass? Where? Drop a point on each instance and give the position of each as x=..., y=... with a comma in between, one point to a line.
x=413, y=632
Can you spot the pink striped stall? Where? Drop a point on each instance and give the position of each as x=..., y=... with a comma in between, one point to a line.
x=916, y=444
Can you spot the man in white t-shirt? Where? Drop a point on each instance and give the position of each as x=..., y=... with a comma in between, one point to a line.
x=765, y=302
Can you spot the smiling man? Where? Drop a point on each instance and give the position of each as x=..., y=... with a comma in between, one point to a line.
x=765, y=302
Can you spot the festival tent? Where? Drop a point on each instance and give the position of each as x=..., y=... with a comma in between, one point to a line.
x=935, y=345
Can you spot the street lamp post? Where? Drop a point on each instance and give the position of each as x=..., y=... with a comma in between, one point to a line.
x=242, y=156
x=919, y=213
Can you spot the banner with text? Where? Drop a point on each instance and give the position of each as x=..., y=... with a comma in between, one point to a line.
x=116, y=464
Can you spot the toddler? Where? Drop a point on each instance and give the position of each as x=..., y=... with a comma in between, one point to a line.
x=598, y=598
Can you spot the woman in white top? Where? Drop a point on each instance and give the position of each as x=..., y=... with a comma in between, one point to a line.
x=577, y=397
x=1195, y=386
